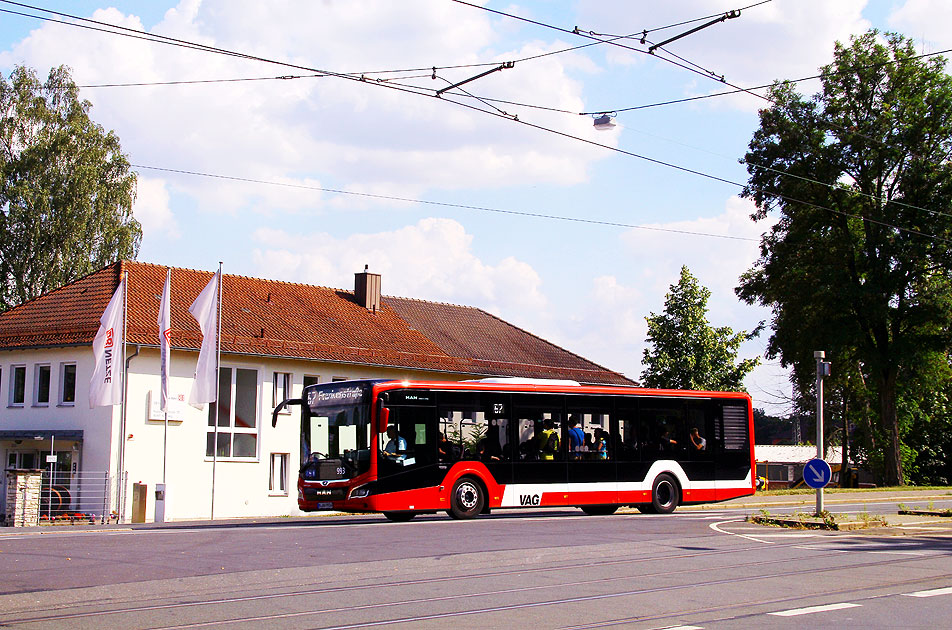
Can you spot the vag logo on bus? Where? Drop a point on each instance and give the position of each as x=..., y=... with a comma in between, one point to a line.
x=530, y=499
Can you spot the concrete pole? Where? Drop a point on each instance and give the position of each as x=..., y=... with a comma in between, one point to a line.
x=49, y=508
x=819, y=355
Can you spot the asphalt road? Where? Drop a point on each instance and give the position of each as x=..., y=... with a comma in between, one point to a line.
x=701, y=568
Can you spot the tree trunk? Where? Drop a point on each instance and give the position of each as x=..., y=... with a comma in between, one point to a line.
x=890, y=422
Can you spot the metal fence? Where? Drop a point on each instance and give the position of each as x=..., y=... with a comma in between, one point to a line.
x=77, y=497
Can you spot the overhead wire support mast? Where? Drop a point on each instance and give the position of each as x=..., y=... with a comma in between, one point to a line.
x=730, y=15
x=506, y=66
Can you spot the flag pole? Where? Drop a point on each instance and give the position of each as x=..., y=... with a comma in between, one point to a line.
x=168, y=358
x=217, y=389
x=122, y=406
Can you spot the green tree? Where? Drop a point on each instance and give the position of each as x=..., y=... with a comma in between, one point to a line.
x=686, y=352
x=66, y=192
x=858, y=263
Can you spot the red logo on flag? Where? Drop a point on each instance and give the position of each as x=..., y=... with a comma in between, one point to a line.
x=109, y=338
x=168, y=336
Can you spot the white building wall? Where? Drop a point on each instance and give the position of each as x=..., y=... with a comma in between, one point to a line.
x=100, y=426
x=240, y=486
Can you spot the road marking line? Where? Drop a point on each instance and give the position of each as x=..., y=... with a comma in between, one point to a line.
x=790, y=535
x=932, y=593
x=813, y=609
x=716, y=528
x=821, y=548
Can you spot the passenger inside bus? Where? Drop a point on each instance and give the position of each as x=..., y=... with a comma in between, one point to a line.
x=667, y=443
x=548, y=441
x=697, y=441
x=449, y=452
x=576, y=438
x=601, y=444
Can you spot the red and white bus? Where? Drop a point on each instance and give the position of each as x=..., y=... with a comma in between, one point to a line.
x=410, y=447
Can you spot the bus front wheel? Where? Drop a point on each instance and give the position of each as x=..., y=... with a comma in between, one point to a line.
x=468, y=499
x=665, y=494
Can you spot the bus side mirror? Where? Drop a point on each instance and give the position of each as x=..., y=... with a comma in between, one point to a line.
x=280, y=408
x=383, y=418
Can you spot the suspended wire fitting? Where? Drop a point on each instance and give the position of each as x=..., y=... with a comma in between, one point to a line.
x=730, y=15
x=603, y=120
x=506, y=66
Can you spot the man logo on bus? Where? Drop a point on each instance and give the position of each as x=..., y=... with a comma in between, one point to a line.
x=529, y=499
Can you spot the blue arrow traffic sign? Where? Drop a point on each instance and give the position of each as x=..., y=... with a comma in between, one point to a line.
x=817, y=473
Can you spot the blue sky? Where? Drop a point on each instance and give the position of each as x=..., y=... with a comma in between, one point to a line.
x=583, y=285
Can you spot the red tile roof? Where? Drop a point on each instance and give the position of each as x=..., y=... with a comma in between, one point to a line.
x=283, y=319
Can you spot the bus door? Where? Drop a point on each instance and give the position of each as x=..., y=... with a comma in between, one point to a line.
x=632, y=452
x=477, y=428
x=407, y=450
x=731, y=445
x=590, y=461
x=698, y=457
x=541, y=468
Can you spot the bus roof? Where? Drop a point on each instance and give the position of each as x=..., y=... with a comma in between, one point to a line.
x=547, y=386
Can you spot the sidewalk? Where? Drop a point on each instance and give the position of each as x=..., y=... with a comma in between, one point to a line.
x=907, y=496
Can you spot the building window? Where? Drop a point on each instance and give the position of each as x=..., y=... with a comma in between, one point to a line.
x=237, y=414
x=67, y=384
x=282, y=389
x=311, y=379
x=17, y=385
x=278, y=481
x=41, y=385
x=338, y=379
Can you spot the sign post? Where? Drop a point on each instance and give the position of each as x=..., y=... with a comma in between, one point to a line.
x=816, y=465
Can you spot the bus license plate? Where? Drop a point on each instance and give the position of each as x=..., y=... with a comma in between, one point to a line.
x=325, y=505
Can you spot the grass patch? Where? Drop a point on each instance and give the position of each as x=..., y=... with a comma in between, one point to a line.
x=825, y=520
x=791, y=491
x=929, y=510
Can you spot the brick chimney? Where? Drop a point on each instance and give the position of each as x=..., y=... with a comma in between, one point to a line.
x=367, y=289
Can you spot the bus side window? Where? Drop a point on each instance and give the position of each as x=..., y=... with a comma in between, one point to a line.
x=663, y=427
x=590, y=416
x=697, y=444
x=498, y=446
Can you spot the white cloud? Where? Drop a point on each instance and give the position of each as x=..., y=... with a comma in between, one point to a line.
x=354, y=135
x=432, y=259
x=610, y=321
x=928, y=21
x=152, y=208
x=778, y=40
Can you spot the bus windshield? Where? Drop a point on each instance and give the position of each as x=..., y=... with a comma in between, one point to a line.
x=335, y=431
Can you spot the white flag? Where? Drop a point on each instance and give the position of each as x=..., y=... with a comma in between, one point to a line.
x=165, y=346
x=105, y=386
x=204, y=309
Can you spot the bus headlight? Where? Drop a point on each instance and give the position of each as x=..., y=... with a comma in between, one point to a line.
x=360, y=492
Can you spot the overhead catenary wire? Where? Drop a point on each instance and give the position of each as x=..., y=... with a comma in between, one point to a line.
x=710, y=74
x=446, y=204
x=425, y=92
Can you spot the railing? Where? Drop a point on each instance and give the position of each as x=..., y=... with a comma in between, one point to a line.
x=77, y=497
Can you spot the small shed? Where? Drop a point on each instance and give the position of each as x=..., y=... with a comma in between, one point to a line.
x=782, y=464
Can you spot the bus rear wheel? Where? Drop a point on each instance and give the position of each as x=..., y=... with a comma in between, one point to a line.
x=665, y=494
x=399, y=517
x=467, y=500
x=599, y=510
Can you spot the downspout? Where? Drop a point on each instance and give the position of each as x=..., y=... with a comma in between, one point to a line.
x=122, y=440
